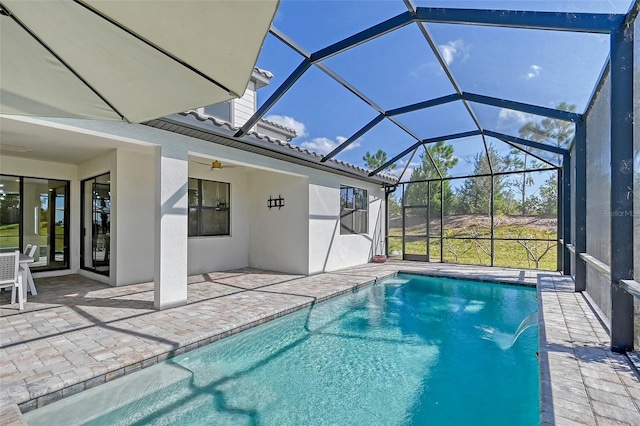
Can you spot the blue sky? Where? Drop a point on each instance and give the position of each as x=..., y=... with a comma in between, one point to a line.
x=538, y=67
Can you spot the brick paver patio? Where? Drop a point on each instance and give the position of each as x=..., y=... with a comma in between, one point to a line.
x=77, y=333
x=581, y=380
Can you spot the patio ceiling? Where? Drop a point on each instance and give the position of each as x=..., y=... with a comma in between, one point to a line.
x=407, y=74
x=42, y=140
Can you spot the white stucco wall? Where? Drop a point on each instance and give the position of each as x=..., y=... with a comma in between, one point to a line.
x=135, y=201
x=171, y=223
x=208, y=254
x=328, y=249
x=320, y=241
x=279, y=237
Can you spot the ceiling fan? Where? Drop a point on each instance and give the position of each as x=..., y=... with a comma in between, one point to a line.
x=215, y=165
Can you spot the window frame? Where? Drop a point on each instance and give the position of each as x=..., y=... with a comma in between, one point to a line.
x=200, y=209
x=230, y=103
x=359, y=206
x=19, y=179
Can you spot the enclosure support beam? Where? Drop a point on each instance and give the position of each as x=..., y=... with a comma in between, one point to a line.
x=441, y=221
x=425, y=141
x=370, y=125
x=423, y=105
x=560, y=222
x=525, y=142
x=556, y=21
x=492, y=213
x=404, y=222
x=580, y=214
x=443, y=63
x=523, y=107
x=280, y=91
x=621, y=209
x=428, y=221
x=370, y=33
x=566, y=214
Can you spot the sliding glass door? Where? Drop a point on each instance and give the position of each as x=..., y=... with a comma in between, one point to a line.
x=95, y=247
x=35, y=211
x=10, y=213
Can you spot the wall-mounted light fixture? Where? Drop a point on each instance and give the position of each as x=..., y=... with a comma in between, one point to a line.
x=275, y=202
x=216, y=165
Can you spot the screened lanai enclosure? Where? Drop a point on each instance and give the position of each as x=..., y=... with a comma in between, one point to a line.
x=511, y=128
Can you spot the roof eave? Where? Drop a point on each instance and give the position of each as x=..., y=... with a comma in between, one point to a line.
x=217, y=131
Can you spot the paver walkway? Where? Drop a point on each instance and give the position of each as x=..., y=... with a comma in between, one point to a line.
x=581, y=381
x=77, y=333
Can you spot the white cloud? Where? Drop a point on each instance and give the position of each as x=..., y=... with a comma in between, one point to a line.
x=290, y=122
x=325, y=145
x=511, y=115
x=420, y=70
x=454, y=50
x=534, y=71
x=510, y=120
x=400, y=165
x=320, y=145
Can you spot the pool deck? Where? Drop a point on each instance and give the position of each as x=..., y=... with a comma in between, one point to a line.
x=78, y=333
x=581, y=381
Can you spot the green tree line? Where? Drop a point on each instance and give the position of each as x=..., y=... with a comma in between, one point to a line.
x=512, y=193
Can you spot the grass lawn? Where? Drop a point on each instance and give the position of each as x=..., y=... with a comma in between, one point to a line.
x=522, y=253
x=10, y=238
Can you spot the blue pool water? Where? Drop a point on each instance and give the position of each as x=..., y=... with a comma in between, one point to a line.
x=407, y=351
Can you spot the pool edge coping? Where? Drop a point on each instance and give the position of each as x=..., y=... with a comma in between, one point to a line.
x=59, y=394
x=488, y=280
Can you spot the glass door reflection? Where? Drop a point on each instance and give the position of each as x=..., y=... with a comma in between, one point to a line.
x=96, y=223
x=35, y=211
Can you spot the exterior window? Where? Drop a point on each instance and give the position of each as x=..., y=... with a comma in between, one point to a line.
x=221, y=110
x=354, y=210
x=209, y=212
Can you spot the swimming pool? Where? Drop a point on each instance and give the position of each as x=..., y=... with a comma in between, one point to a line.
x=409, y=350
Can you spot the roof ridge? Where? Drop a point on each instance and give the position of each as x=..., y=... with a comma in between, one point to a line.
x=280, y=126
x=264, y=73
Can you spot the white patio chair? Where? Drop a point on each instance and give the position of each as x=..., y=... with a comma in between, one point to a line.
x=10, y=277
x=31, y=250
x=27, y=249
x=27, y=275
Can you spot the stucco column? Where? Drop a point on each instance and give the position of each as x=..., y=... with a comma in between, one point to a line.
x=171, y=182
